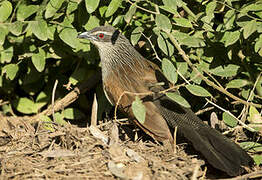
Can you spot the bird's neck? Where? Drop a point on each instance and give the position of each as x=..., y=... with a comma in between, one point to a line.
x=121, y=60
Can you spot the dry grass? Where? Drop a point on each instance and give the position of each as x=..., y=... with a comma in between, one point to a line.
x=72, y=152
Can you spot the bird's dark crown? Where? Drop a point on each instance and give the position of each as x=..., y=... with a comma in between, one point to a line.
x=101, y=34
x=105, y=29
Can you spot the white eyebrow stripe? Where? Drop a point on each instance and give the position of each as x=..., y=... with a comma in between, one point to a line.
x=103, y=32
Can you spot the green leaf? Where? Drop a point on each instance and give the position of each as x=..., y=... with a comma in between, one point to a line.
x=118, y=20
x=193, y=42
x=178, y=99
x=41, y=100
x=139, y=110
x=11, y=70
x=249, y=28
x=163, y=22
x=197, y=90
x=73, y=113
x=225, y=70
x=229, y=120
x=130, y=13
x=38, y=60
x=102, y=10
x=16, y=28
x=260, y=52
x=68, y=35
x=25, y=105
x=165, y=45
x=237, y=83
x=182, y=68
x=254, y=115
x=51, y=30
x=52, y=7
x=180, y=35
x=170, y=10
x=93, y=22
x=112, y=7
x=208, y=22
x=245, y=94
x=259, y=14
x=47, y=123
x=258, y=159
x=252, y=7
x=229, y=19
x=91, y=5
x=1, y=84
x=6, y=10
x=3, y=33
x=171, y=5
x=258, y=45
x=71, y=7
x=230, y=37
x=59, y=119
x=7, y=54
x=251, y=146
x=39, y=28
x=136, y=34
x=183, y=22
x=25, y=11
x=169, y=70
x=210, y=8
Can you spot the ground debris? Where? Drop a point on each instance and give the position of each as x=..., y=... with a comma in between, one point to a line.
x=84, y=153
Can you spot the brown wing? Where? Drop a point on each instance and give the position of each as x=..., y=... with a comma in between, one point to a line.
x=137, y=82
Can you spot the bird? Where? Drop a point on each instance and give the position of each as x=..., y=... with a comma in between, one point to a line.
x=124, y=69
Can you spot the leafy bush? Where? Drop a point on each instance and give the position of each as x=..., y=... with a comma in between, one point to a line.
x=213, y=46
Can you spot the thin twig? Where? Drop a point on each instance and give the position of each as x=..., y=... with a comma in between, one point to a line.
x=240, y=122
x=174, y=144
x=244, y=111
x=139, y=7
x=188, y=82
x=252, y=175
x=142, y=94
x=152, y=46
x=13, y=14
x=238, y=10
x=254, y=87
x=204, y=110
x=94, y=112
x=53, y=99
x=214, y=79
x=195, y=172
x=3, y=102
x=204, y=174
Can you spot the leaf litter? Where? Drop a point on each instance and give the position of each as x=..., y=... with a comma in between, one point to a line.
x=72, y=152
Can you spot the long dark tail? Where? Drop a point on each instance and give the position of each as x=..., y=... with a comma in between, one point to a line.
x=219, y=151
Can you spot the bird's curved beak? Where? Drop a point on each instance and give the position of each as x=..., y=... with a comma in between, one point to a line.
x=86, y=35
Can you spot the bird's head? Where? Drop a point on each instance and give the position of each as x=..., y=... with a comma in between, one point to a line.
x=104, y=37
x=114, y=48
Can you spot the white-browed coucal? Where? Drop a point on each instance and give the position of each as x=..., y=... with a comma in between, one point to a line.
x=125, y=69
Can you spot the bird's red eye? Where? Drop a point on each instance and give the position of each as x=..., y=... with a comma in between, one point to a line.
x=101, y=35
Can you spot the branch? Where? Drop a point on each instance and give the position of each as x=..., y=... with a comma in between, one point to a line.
x=252, y=175
x=62, y=103
x=210, y=83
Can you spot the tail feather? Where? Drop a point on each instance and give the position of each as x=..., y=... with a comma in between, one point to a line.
x=219, y=151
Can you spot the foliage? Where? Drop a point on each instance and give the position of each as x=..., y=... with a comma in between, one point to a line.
x=139, y=110
x=223, y=40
